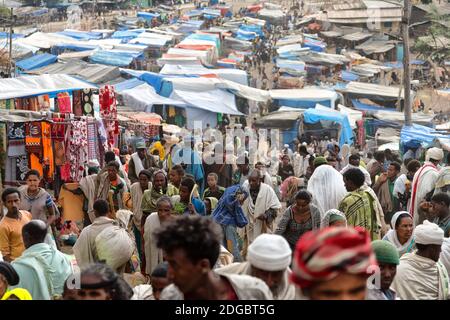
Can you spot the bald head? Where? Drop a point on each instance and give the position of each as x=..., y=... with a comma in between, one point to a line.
x=34, y=232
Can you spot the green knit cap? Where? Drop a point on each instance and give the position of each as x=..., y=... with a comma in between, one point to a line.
x=385, y=252
x=319, y=161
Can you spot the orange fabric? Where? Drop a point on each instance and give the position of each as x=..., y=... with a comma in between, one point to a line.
x=11, y=243
x=72, y=204
x=200, y=47
x=48, y=158
x=35, y=164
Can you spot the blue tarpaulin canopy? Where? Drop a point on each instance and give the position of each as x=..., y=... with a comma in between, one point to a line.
x=115, y=58
x=349, y=76
x=127, y=84
x=316, y=115
x=71, y=47
x=37, y=61
x=252, y=28
x=14, y=35
x=314, y=45
x=246, y=35
x=127, y=34
x=368, y=107
x=148, y=15
x=81, y=35
x=416, y=135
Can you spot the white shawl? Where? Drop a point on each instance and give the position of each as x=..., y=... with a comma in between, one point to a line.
x=423, y=182
x=138, y=166
x=153, y=255
x=391, y=236
x=420, y=278
x=87, y=185
x=136, y=200
x=267, y=199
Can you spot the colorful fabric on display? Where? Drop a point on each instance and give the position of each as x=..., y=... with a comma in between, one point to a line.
x=44, y=103
x=78, y=151
x=108, y=111
x=30, y=104
x=16, y=139
x=65, y=172
x=58, y=135
x=77, y=103
x=64, y=105
x=22, y=167
x=92, y=140
x=87, y=102
x=48, y=158
x=7, y=104
x=322, y=255
x=33, y=137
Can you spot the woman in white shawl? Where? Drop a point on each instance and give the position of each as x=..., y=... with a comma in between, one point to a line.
x=327, y=187
x=401, y=234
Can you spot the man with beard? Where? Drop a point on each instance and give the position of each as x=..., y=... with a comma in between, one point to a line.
x=140, y=160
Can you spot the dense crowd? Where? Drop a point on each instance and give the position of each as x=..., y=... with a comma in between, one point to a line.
x=162, y=223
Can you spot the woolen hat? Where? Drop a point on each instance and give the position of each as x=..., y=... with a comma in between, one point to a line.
x=385, y=252
x=269, y=252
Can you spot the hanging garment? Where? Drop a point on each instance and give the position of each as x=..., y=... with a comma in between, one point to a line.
x=87, y=102
x=65, y=172
x=78, y=149
x=58, y=133
x=44, y=103
x=21, y=167
x=77, y=103
x=64, y=105
x=108, y=111
x=16, y=139
x=92, y=139
x=47, y=155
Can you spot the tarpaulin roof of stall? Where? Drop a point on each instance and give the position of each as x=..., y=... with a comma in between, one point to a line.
x=21, y=116
x=314, y=45
x=276, y=14
x=115, y=58
x=205, y=37
x=369, y=107
x=322, y=58
x=291, y=64
x=238, y=76
x=45, y=40
x=37, y=61
x=315, y=115
x=368, y=90
x=218, y=101
x=127, y=33
x=148, y=15
x=349, y=76
x=127, y=84
x=246, y=35
x=310, y=93
x=26, y=86
x=252, y=28
x=19, y=50
x=376, y=46
x=154, y=42
x=14, y=35
x=422, y=134
x=212, y=12
x=73, y=47
x=81, y=35
x=357, y=36
x=144, y=95
x=93, y=73
x=399, y=117
x=279, y=119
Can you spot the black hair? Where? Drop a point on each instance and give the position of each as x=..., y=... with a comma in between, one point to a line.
x=101, y=207
x=397, y=165
x=354, y=157
x=199, y=237
x=356, y=176
x=213, y=174
x=34, y=232
x=9, y=191
x=406, y=161
x=179, y=169
x=32, y=173
x=146, y=173
x=188, y=182
x=302, y=149
x=92, y=171
x=448, y=158
x=303, y=195
x=379, y=156
x=160, y=270
x=369, y=155
x=399, y=219
x=413, y=165
x=441, y=197
x=114, y=284
x=110, y=156
x=113, y=164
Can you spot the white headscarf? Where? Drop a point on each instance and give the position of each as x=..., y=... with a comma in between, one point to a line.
x=391, y=236
x=327, y=187
x=445, y=254
x=429, y=233
x=326, y=219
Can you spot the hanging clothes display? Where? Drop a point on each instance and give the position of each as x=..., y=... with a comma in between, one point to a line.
x=92, y=137
x=77, y=103
x=108, y=111
x=33, y=145
x=64, y=105
x=78, y=151
x=44, y=103
x=16, y=139
x=87, y=102
x=47, y=152
x=7, y=104
x=58, y=135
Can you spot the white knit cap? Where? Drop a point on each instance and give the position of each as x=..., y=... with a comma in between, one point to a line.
x=429, y=233
x=269, y=252
x=93, y=163
x=435, y=154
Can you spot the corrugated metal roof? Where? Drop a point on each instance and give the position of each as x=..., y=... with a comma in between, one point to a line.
x=443, y=8
x=334, y=4
x=331, y=34
x=375, y=46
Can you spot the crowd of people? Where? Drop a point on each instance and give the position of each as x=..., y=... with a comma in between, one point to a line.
x=309, y=226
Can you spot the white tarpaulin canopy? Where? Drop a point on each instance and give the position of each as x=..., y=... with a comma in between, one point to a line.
x=35, y=85
x=217, y=101
x=143, y=96
x=235, y=75
x=370, y=89
x=305, y=93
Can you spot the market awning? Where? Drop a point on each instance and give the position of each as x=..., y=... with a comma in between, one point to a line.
x=37, y=61
x=26, y=86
